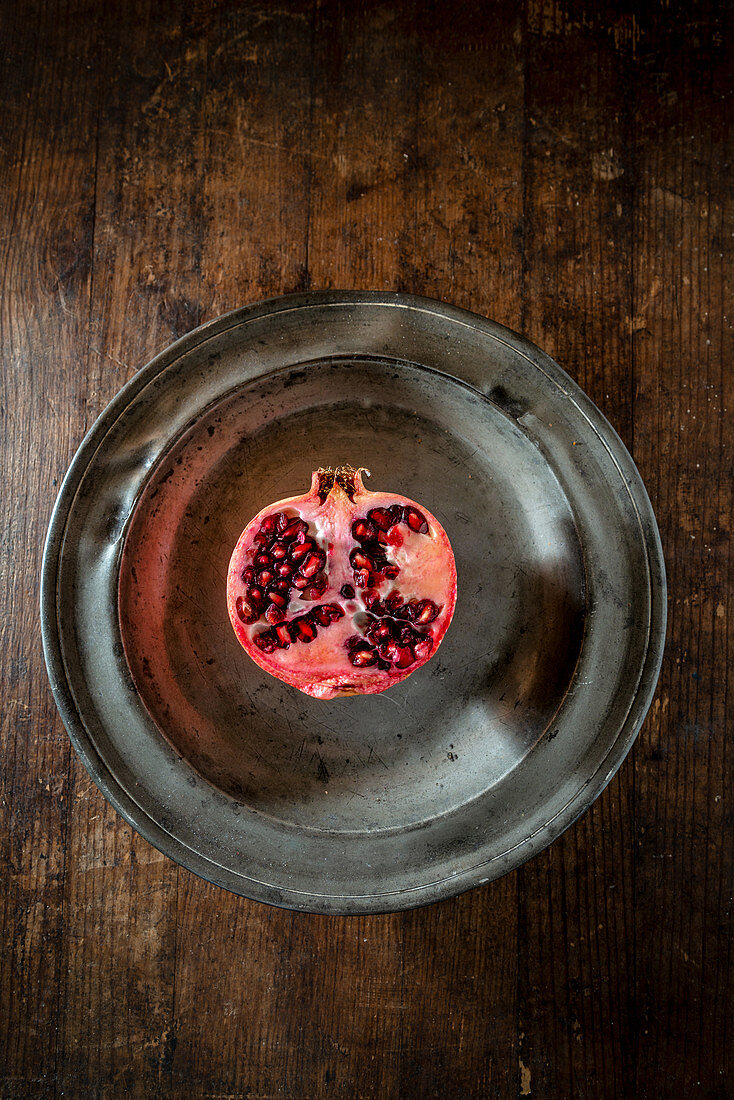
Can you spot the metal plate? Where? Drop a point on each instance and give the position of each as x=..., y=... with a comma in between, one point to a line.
x=469, y=766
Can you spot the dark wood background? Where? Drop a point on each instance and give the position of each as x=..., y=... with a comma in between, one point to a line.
x=564, y=168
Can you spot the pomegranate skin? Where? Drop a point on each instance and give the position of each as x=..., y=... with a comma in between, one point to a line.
x=341, y=591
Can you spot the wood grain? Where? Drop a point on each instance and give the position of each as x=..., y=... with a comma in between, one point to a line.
x=576, y=901
x=560, y=167
x=120, y=894
x=682, y=322
x=47, y=182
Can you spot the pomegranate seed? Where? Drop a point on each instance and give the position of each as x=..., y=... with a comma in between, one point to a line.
x=362, y=578
x=300, y=550
x=416, y=520
x=405, y=634
x=404, y=658
x=363, y=530
x=370, y=597
x=306, y=630
x=244, y=612
x=334, y=611
x=256, y=594
x=277, y=598
x=320, y=615
x=394, y=600
x=312, y=565
x=265, y=577
x=379, y=633
x=381, y=517
x=282, y=635
x=347, y=592
x=295, y=527
x=281, y=585
x=397, y=514
x=248, y=574
x=281, y=520
x=422, y=648
x=373, y=547
x=391, y=572
x=362, y=658
x=278, y=551
x=273, y=615
x=262, y=559
x=389, y=651
x=260, y=539
x=359, y=560
x=299, y=582
x=267, y=527
x=424, y=611
x=283, y=569
x=353, y=641
x=266, y=641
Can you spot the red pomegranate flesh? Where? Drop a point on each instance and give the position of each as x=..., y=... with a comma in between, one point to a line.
x=342, y=591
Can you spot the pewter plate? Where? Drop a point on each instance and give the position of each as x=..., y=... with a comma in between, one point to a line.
x=468, y=767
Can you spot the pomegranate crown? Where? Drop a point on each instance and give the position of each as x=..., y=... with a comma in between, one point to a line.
x=347, y=478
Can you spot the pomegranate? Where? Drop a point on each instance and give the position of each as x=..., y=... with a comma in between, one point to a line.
x=342, y=591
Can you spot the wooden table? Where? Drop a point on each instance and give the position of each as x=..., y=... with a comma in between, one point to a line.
x=561, y=168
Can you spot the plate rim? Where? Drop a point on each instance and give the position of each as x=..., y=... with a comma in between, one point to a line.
x=410, y=896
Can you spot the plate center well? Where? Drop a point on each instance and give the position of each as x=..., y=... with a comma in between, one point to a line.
x=453, y=729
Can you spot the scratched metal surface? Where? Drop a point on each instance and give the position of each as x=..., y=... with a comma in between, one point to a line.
x=472, y=764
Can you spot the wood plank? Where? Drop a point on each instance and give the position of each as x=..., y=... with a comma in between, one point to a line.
x=459, y=1035
x=47, y=180
x=684, y=444
x=241, y=990
x=361, y=221
x=302, y=1009
x=576, y=899
x=120, y=893
x=468, y=153
x=256, y=176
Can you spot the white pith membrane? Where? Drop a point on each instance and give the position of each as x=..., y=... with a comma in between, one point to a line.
x=322, y=667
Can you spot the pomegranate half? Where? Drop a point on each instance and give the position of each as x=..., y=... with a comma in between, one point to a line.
x=342, y=591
